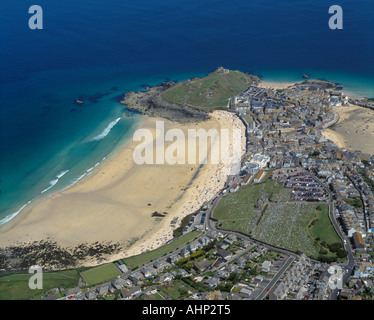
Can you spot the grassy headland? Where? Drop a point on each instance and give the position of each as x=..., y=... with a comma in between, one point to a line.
x=210, y=92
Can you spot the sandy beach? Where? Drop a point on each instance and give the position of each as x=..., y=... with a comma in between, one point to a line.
x=276, y=85
x=354, y=129
x=117, y=201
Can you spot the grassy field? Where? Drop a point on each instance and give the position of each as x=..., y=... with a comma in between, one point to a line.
x=323, y=228
x=212, y=91
x=100, y=274
x=177, y=290
x=297, y=226
x=141, y=259
x=16, y=286
x=323, y=233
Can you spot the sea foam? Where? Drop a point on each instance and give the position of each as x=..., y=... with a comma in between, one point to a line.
x=106, y=131
x=54, y=181
x=51, y=184
x=62, y=173
x=11, y=216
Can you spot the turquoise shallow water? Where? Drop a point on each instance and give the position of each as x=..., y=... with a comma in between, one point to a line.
x=99, y=51
x=353, y=84
x=60, y=142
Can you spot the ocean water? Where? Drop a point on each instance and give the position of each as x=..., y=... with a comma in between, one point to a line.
x=100, y=50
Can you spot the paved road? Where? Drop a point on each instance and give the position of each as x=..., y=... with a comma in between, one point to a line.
x=347, y=266
x=275, y=279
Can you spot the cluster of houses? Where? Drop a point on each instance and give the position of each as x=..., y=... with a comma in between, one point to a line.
x=304, y=280
x=284, y=128
x=163, y=271
x=283, y=131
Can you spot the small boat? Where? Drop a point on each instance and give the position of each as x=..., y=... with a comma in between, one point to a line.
x=79, y=101
x=305, y=76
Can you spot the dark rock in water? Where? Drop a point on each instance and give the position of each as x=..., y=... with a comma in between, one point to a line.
x=151, y=103
x=114, y=88
x=118, y=98
x=73, y=110
x=146, y=86
x=167, y=84
x=305, y=76
x=95, y=97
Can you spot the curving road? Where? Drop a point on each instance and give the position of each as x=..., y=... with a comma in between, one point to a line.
x=347, y=266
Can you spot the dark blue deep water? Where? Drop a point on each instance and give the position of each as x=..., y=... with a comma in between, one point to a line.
x=98, y=50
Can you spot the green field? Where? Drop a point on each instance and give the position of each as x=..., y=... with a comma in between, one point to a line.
x=176, y=291
x=325, y=238
x=296, y=226
x=100, y=274
x=212, y=91
x=16, y=286
x=322, y=228
x=142, y=259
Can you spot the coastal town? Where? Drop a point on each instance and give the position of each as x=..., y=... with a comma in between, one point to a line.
x=229, y=250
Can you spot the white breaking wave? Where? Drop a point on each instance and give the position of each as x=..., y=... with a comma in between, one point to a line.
x=62, y=173
x=51, y=184
x=105, y=131
x=11, y=216
x=75, y=181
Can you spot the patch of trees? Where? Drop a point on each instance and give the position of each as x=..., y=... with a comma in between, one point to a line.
x=192, y=257
x=179, y=231
x=336, y=248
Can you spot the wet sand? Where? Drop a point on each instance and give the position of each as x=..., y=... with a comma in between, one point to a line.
x=117, y=201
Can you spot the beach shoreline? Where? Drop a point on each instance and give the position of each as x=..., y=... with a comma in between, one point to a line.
x=114, y=204
x=276, y=84
x=353, y=130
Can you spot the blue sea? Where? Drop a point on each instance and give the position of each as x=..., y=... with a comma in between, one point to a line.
x=99, y=50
